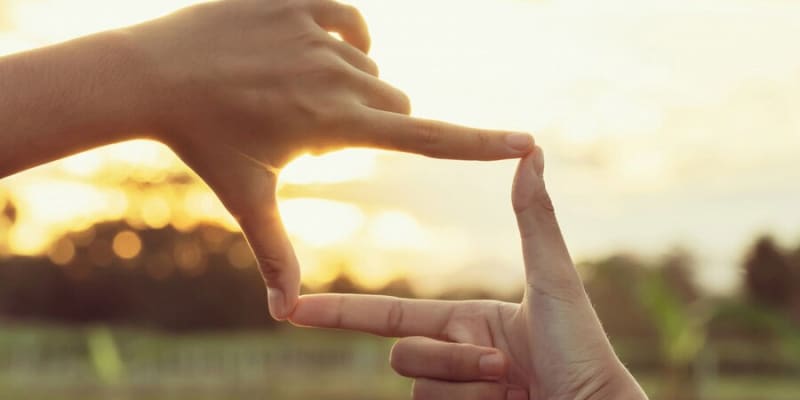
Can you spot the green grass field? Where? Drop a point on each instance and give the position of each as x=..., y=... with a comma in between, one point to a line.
x=45, y=362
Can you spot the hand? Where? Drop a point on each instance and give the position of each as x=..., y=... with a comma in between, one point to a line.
x=240, y=87
x=551, y=346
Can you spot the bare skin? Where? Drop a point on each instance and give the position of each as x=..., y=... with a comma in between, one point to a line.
x=236, y=88
x=551, y=346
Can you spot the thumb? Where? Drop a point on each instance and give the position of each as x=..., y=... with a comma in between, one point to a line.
x=548, y=266
x=263, y=228
x=247, y=188
x=555, y=298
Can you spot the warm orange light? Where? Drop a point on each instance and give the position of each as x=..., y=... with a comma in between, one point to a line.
x=189, y=257
x=62, y=252
x=156, y=212
x=127, y=245
x=340, y=166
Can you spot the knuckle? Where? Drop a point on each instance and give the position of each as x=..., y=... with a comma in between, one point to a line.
x=271, y=267
x=330, y=69
x=403, y=103
x=351, y=10
x=329, y=115
x=319, y=45
x=544, y=201
x=284, y=8
x=371, y=67
x=559, y=288
x=348, y=12
x=536, y=199
x=306, y=4
x=483, y=139
x=428, y=137
x=429, y=134
x=395, y=316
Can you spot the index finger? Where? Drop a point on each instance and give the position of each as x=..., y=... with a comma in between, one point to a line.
x=378, y=315
x=392, y=131
x=345, y=20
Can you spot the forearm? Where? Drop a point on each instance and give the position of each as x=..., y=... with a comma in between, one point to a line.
x=67, y=98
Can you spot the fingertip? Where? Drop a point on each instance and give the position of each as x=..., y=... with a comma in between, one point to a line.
x=493, y=365
x=520, y=143
x=310, y=311
x=523, y=188
x=279, y=306
x=275, y=303
x=538, y=161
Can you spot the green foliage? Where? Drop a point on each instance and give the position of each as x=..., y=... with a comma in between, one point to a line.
x=681, y=327
x=104, y=355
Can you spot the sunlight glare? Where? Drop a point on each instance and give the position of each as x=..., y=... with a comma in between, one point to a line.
x=83, y=165
x=397, y=230
x=200, y=204
x=319, y=222
x=48, y=209
x=375, y=276
x=340, y=166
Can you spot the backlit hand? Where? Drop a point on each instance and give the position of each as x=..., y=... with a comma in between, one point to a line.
x=551, y=346
x=240, y=87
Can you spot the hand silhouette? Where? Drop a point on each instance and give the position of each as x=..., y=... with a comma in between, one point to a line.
x=550, y=346
x=240, y=87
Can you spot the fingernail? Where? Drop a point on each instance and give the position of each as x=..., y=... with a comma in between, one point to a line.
x=519, y=141
x=492, y=365
x=277, y=303
x=517, y=394
x=538, y=162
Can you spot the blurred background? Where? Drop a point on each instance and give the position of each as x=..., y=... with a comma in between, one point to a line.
x=670, y=129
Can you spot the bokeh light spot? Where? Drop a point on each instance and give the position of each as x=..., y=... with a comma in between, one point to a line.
x=156, y=212
x=160, y=266
x=127, y=245
x=190, y=258
x=62, y=252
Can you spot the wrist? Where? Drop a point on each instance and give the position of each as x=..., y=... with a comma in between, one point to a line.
x=127, y=86
x=70, y=97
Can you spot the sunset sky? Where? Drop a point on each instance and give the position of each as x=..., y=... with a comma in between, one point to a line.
x=664, y=123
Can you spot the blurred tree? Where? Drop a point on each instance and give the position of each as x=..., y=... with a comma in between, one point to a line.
x=8, y=215
x=612, y=285
x=398, y=287
x=344, y=284
x=769, y=277
x=676, y=269
x=10, y=212
x=673, y=304
x=157, y=287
